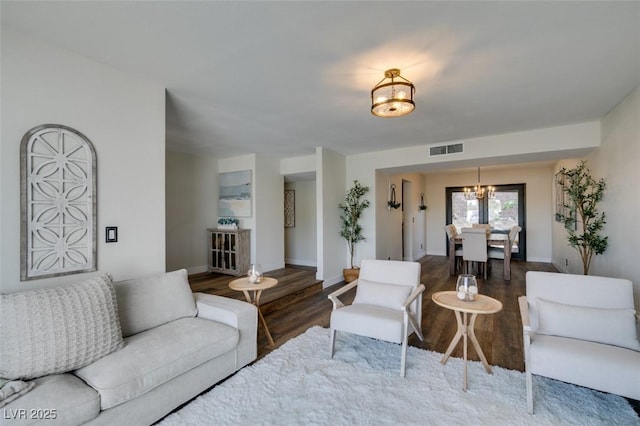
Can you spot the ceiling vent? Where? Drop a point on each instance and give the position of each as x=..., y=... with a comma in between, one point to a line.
x=455, y=148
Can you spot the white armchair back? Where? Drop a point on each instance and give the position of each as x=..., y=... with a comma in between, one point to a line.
x=578, y=290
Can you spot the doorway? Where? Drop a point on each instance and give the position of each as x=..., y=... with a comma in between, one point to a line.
x=501, y=212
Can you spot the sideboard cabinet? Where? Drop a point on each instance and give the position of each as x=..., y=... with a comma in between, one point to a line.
x=229, y=251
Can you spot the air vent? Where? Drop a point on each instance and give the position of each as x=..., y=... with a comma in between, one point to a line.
x=446, y=149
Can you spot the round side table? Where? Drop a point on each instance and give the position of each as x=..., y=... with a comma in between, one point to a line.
x=243, y=285
x=481, y=305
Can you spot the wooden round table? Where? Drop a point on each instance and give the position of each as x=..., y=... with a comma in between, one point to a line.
x=243, y=285
x=481, y=305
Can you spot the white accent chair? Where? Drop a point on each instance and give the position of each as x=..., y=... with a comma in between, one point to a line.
x=497, y=252
x=387, y=305
x=474, y=247
x=583, y=330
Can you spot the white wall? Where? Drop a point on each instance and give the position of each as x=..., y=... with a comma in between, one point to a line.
x=389, y=221
x=617, y=162
x=123, y=116
x=300, y=247
x=191, y=208
x=539, y=204
x=330, y=191
x=269, y=213
x=267, y=220
x=563, y=140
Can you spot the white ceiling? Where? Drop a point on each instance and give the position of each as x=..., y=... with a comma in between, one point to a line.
x=285, y=77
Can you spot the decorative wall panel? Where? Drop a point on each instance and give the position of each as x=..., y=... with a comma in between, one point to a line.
x=58, y=202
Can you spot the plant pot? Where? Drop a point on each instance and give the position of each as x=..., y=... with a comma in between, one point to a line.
x=350, y=274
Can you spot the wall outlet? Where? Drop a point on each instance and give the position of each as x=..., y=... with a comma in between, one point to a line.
x=566, y=262
x=421, y=247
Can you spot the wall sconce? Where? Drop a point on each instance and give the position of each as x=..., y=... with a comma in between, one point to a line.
x=422, y=206
x=393, y=203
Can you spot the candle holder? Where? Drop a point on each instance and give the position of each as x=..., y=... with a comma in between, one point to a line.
x=254, y=275
x=467, y=287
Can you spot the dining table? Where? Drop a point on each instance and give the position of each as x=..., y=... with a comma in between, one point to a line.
x=492, y=240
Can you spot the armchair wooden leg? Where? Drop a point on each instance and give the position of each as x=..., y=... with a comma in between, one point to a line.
x=529, y=391
x=332, y=341
x=403, y=358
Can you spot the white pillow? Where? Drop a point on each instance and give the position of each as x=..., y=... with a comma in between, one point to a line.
x=58, y=329
x=611, y=326
x=381, y=294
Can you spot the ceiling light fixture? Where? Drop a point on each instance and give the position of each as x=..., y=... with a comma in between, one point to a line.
x=392, y=98
x=479, y=192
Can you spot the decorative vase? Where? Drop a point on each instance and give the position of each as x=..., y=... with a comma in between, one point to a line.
x=350, y=274
x=254, y=275
x=466, y=287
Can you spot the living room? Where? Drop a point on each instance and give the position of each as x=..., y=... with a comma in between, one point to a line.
x=158, y=182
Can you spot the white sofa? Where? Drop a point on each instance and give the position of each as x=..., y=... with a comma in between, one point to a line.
x=582, y=330
x=176, y=344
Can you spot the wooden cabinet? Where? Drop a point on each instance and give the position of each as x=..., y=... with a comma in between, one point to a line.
x=229, y=251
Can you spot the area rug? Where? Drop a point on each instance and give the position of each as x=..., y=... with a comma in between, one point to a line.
x=298, y=384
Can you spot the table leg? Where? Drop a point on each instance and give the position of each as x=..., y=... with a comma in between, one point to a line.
x=507, y=260
x=266, y=329
x=255, y=300
x=464, y=351
x=476, y=344
x=455, y=339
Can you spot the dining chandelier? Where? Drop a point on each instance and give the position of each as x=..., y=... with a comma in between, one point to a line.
x=393, y=95
x=479, y=192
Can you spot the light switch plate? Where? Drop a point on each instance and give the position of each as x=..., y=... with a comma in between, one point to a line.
x=111, y=234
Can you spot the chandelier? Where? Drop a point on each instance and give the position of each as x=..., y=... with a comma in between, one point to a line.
x=478, y=192
x=393, y=95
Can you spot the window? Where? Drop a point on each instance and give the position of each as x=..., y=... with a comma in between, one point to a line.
x=502, y=212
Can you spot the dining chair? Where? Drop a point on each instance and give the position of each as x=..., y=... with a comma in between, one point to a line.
x=497, y=252
x=484, y=226
x=474, y=248
x=452, y=232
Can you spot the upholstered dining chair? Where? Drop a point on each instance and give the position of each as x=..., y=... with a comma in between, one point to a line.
x=474, y=248
x=484, y=226
x=387, y=305
x=497, y=252
x=452, y=232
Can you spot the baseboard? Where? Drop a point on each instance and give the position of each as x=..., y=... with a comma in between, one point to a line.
x=197, y=269
x=539, y=259
x=328, y=282
x=436, y=253
x=272, y=267
x=301, y=262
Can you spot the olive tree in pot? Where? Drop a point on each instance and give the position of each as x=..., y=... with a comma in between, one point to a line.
x=581, y=219
x=352, y=208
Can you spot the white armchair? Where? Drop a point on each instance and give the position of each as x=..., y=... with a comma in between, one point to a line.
x=387, y=305
x=582, y=330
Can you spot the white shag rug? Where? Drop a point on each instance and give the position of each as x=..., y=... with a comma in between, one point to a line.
x=298, y=384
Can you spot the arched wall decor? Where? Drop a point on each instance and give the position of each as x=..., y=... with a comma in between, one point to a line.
x=58, y=202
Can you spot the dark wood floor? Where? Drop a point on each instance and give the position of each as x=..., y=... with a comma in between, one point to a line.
x=500, y=334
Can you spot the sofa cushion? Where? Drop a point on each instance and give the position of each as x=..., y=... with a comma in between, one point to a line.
x=61, y=398
x=54, y=330
x=155, y=356
x=609, y=326
x=381, y=294
x=147, y=302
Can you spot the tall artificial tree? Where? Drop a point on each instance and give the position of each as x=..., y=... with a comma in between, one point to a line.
x=581, y=218
x=352, y=208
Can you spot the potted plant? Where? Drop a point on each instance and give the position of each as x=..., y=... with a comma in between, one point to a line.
x=581, y=218
x=352, y=208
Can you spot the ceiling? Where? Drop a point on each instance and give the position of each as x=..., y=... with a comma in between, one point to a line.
x=282, y=78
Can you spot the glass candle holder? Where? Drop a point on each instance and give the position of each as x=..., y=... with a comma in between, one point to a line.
x=466, y=287
x=254, y=275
